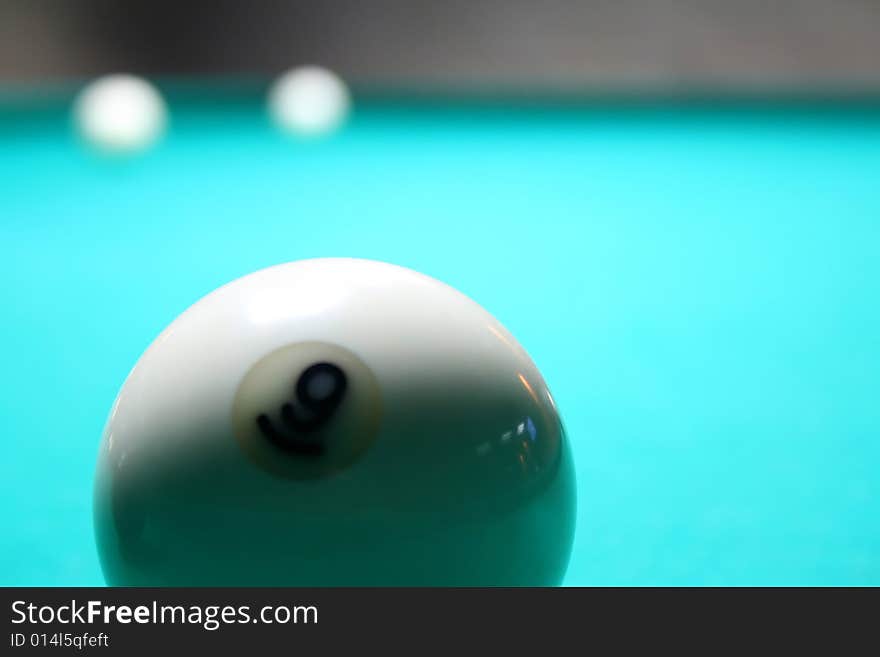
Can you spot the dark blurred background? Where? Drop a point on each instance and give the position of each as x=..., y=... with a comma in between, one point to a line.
x=787, y=45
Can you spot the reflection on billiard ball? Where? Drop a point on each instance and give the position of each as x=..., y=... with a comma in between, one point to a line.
x=334, y=422
x=120, y=114
x=309, y=101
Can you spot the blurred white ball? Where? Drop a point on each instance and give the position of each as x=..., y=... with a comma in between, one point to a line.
x=309, y=101
x=120, y=113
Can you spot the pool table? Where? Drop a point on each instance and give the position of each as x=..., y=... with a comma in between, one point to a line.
x=699, y=282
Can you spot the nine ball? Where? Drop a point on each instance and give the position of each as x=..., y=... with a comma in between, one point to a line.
x=334, y=422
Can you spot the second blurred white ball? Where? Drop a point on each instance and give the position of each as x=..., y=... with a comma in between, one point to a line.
x=309, y=101
x=120, y=113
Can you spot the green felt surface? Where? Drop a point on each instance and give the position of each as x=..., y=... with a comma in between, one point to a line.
x=699, y=285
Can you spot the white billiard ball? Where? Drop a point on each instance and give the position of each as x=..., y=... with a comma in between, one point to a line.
x=334, y=422
x=309, y=101
x=120, y=114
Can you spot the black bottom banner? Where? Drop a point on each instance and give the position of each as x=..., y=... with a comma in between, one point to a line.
x=409, y=621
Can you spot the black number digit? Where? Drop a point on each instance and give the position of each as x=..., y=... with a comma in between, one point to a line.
x=320, y=390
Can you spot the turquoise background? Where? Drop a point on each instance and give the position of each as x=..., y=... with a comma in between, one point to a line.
x=700, y=285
